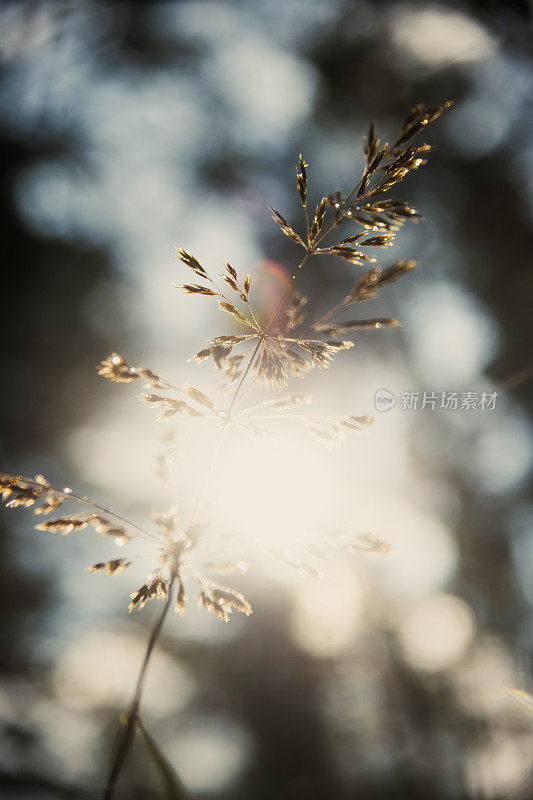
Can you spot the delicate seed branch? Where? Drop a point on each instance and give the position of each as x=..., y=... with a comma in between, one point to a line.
x=256, y=354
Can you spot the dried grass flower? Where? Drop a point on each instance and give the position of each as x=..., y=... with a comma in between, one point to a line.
x=251, y=353
x=266, y=353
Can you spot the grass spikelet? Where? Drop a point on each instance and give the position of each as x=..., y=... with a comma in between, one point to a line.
x=111, y=567
x=346, y=228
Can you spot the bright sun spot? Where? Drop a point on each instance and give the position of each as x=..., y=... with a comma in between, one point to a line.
x=100, y=668
x=436, y=632
x=436, y=36
x=328, y=615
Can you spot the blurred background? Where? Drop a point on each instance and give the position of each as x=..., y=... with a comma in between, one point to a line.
x=127, y=129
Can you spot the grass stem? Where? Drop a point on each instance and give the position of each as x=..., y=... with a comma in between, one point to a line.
x=126, y=734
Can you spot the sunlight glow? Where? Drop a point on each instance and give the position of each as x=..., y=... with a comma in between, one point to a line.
x=68, y=738
x=499, y=768
x=299, y=471
x=480, y=679
x=210, y=756
x=452, y=335
x=436, y=633
x=100, y=668
x=436, y=36
x=423, y=556
x=328, y=616
x=503, y=456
